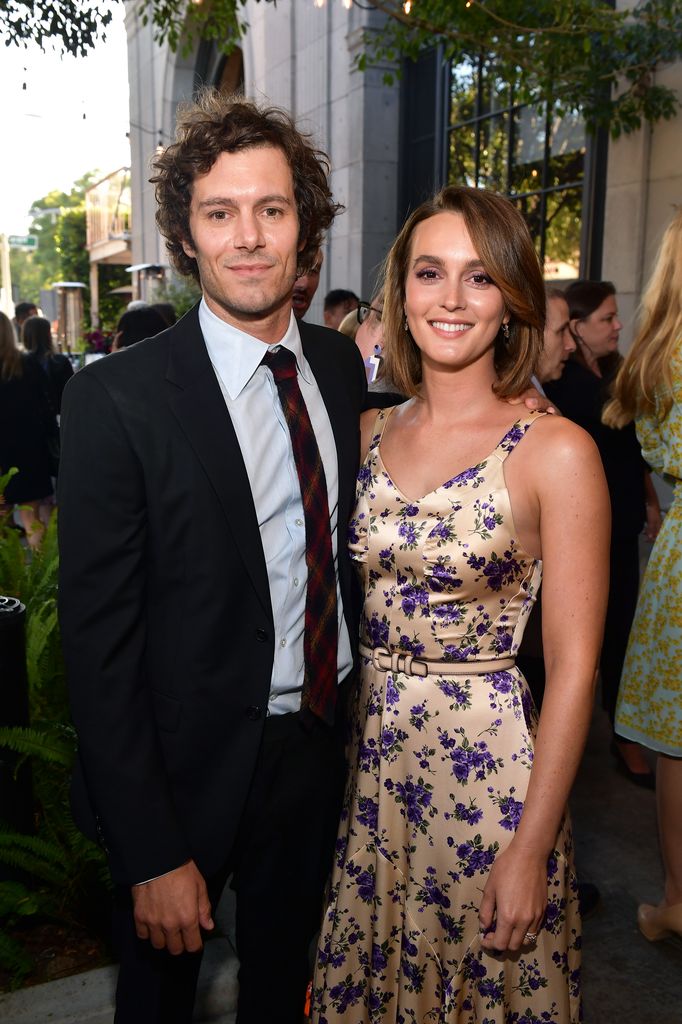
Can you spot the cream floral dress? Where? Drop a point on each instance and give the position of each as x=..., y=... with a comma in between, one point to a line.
x=441, y=768
x=650, y=697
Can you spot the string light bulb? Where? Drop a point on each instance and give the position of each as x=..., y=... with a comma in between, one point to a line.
x=318, y=3
x=407, y=6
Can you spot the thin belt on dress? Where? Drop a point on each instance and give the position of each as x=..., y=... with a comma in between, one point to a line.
x=385, y=661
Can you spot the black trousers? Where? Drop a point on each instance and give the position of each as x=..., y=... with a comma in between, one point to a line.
x=279, y=867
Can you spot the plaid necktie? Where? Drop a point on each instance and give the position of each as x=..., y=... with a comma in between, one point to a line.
x=320, y=639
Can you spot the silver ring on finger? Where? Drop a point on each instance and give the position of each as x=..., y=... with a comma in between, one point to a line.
x=531, y=937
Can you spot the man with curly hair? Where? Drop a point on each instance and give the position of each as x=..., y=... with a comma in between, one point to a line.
x=207, y=604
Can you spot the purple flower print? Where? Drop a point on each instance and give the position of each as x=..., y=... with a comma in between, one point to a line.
x=366, y=885
x=365, y=475
x=392, y=692
x=554, y=915
x=419, y=716
x=376, y=630
x=441, y=531
x=345, y=994
x=502, y=681
x=501, y=571
x=457, y=692
x=379, y=958
x=432, y=894
x=442, y=577
x=473, y=967
x=513, y=436
x=408, y=532
x=502, y=642
x=448, y=614
x=413, y=597
x=472, y=476
x=415, y=798
x=491, y=990
x=413, y=975
x=471, y=814
x=368, y=813
x=511, y=811
x=410, y=510
x=411, y=646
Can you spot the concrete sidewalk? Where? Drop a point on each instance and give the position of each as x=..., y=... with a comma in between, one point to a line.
x=627, y=980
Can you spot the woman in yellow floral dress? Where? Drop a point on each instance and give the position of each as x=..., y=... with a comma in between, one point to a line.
x=454, y=899
x=649, y=390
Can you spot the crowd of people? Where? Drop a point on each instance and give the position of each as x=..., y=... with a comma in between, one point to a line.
x=293, y=630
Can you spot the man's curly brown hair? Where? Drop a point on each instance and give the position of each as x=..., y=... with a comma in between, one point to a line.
x=215, y=124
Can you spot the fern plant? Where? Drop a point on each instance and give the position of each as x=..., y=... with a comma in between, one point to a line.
x=62, y=874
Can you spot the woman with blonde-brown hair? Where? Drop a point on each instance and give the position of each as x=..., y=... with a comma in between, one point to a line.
x=454, y=897
x=648, y=390
x=25, y=425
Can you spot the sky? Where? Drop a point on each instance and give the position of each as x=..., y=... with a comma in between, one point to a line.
x=46, y=142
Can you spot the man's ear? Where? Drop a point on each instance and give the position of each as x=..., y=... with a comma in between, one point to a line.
x=188, y=248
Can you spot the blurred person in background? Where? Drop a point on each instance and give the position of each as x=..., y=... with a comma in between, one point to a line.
x=648, y=389
x=36, y=336
x=305, y=287
x=22, y=311
x=26, y=427
x=337, y=303
x=136, y=325
x=581, y=393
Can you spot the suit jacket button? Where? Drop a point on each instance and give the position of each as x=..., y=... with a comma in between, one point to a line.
x=261, y=634
x=253, y=712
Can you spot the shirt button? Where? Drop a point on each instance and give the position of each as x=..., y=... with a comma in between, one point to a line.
x=299, y=522
x=261, y=634
x=295, y=581
x=283, y=642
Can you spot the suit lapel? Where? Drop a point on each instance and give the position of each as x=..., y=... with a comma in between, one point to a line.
x=197, y=402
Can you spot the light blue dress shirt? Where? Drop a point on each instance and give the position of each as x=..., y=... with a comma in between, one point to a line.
x=252, y=401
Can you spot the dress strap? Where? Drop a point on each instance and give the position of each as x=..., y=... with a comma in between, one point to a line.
x=379, y=427
x=515, y=434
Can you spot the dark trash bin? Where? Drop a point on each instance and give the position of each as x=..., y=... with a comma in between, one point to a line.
x=16, y=800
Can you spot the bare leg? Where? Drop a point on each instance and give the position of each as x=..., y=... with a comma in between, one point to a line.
x=669, y=806
x=29, y=514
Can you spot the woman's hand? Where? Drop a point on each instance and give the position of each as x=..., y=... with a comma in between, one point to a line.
x=654, y=521
x=514, y=899
x=533, y=400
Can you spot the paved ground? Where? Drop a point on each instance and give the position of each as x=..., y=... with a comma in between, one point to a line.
x=627, y=980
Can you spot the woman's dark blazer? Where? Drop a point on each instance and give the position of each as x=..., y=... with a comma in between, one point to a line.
x=164, y=601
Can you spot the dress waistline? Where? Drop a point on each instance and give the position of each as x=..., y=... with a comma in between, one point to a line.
x=383, y=660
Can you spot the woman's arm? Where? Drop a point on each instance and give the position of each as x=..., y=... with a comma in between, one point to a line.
x=568, y=480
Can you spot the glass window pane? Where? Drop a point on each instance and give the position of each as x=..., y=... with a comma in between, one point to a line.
x=529, y=150
x=531, y=209
x=463, y=88
x=495, y=92
x=462, y=156
x=493, y=143
x=563, y=217
x=568, y=133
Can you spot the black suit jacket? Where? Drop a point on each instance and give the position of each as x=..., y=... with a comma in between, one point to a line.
x=164, y=600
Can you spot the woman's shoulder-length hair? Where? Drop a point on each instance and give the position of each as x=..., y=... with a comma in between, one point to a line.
x=503, y=242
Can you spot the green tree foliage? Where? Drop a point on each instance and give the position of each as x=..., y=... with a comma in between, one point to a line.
x=72, y=25
x=588, y=56
x=592, y=58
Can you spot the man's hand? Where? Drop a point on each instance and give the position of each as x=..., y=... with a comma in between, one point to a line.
x=533, y=400
x=170, y=910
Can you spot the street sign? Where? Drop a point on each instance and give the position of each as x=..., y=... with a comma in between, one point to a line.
x=29, y=242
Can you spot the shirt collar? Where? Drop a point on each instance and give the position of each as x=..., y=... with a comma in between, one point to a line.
x=236, y=355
